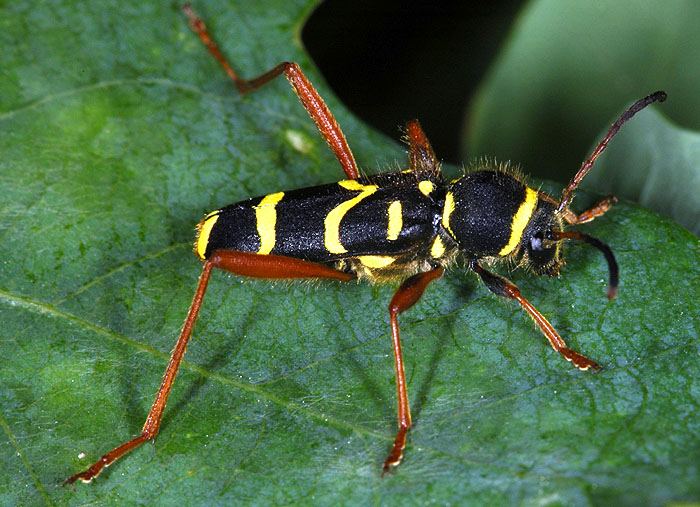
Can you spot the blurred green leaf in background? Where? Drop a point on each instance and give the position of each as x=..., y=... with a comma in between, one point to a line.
x=118, y=133
x=568, y=68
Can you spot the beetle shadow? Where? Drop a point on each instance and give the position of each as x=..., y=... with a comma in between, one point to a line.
x=465, y=287
x=226, y=348
x=373, y=385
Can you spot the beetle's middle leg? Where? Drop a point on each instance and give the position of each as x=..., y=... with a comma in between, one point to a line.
x=404, y=298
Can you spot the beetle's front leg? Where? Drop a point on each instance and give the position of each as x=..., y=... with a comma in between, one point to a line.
x=505, y=288
x=595, y=211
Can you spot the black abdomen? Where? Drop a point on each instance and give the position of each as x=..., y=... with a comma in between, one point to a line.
x=386, y=214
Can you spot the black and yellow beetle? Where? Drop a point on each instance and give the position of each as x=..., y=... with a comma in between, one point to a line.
x=408, y=225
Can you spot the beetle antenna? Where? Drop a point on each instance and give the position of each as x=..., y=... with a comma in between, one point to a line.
x=568, y=194
x=612, y=263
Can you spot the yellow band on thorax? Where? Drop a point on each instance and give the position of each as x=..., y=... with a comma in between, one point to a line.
x=520, y=220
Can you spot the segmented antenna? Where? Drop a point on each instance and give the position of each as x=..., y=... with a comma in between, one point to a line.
x=568, y=194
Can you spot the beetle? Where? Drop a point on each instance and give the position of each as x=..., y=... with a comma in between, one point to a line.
x=407, y=225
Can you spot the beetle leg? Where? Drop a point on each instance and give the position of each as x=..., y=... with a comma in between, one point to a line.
x=309, y=97
x=404, y=298
x=421, y=155
x=595, y=211
x=239, y=263
x=598, y=209
x=503, y=287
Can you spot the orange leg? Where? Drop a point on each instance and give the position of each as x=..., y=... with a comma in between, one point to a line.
x=505, y=288
x=421, y=155
x=309, y=97
x=240, y=263
x=595, y=211
x=405, y=297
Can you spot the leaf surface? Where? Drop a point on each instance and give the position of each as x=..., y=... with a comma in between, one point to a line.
x=119, y=133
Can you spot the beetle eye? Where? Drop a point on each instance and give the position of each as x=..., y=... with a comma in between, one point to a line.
x=536, y=242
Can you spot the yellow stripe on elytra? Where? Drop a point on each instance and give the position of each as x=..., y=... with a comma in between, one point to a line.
x=520, y=220
x=204, y=232
x=426, y=187
x=438, y=248
x=447, y=211
x=395, y=221
x=265, y=219
x=376, y=261
x=332, y=221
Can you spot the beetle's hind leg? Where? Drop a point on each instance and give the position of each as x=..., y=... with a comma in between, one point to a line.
x=239, y=263
x=309, y=97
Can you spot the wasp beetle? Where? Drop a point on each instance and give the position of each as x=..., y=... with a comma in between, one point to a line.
x=408, y=225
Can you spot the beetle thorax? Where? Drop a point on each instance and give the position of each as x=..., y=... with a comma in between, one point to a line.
x=492, y=213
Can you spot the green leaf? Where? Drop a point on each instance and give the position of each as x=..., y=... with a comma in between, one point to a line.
x=119, y=133
x=569, y=68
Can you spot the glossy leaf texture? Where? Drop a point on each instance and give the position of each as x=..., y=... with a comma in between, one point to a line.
x=569, y=68
x=119, y=132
